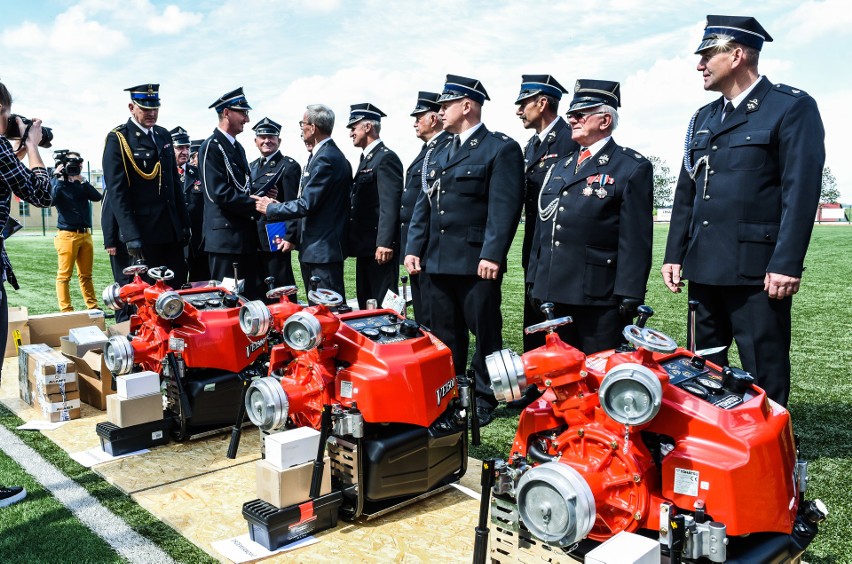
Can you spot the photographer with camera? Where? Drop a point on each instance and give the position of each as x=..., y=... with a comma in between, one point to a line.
x=73, y=242
x=31, y=185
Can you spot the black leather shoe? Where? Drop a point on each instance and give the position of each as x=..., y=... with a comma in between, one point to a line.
x=532, y=394
x=485, y=415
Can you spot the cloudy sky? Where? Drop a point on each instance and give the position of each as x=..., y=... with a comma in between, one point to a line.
x=68, y=62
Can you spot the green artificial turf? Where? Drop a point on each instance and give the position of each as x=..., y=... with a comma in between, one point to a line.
x=821, y=399
x=16, y=524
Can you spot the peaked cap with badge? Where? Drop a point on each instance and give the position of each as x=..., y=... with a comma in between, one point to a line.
x=426, y=102
x=457, y=87
x=539, y=84
x=267, y=127
x=357, y=112
x=145, y=96
x=180, y=138
x=721, y=30
x=593, y=93
x=233, y=100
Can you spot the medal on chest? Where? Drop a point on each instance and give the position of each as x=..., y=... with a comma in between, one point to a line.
x=602, y=180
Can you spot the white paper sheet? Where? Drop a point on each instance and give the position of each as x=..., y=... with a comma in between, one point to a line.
x=38, y=425
x=242, y=549
x=96, y=455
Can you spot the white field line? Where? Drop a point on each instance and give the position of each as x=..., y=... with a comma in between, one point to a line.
x=103, y=522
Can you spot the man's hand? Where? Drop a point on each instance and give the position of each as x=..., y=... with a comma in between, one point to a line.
x=383, y=255
x=671, y=276
x=412, y=264
x=35, y=134
x=272, y=193
x=261, y=203
x=780, y=286
x=110, y=250
x=286, y=246
x=488, y=270
x=134, y=248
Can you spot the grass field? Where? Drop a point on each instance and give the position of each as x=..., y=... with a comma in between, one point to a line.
x=821, y=400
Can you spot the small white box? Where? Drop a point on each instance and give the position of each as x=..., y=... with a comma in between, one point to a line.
x=292, y=447
x=86, y=335
x=626, y=548
x=137, y=385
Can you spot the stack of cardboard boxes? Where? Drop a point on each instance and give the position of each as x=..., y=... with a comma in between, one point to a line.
x=134, y=415
x=49, y=379
x=284, y=477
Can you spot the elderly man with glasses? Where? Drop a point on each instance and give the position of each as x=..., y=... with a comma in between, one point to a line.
x=595, y=225
x=322, y=203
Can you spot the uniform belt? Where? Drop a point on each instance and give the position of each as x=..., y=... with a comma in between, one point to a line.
x=84, y=230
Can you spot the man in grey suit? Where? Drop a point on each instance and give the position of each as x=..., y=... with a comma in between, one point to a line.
x=322, y=202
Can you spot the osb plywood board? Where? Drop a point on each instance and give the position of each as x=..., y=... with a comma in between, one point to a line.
x=209, y=508
x=179, y=461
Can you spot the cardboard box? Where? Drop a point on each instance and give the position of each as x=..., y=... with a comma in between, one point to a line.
x=87, y=335
x=18, y=321
x=57, y=408
x=69, y=347
x=61, y=387
x=138, y=384
x=50, y=327
x=626, y=548
x=129, y=412
x=93, y=378
x=40, y=364
x=293, y=447
x=283, y=488
x=26, y=384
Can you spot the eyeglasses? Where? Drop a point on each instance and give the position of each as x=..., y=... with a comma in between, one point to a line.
x=302, y=124
x=580, y=117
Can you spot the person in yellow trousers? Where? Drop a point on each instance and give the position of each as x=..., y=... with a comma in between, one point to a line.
x=72, y=195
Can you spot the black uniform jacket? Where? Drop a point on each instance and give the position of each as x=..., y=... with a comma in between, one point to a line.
x=763, y=175
x=152, y=211
x=284, y=173
x=414, y=187
x=556, y=145
x=597, y=244
x=323, y=202
x=230, y=218
x=474, y=208
x=374, y=205
x=193, y=195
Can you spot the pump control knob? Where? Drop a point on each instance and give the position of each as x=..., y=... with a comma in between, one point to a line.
x=645, y=312
x=230, y=300
x=314, y=283
x=737, y=379
x=270, y=282
x=409, y=329
x=547, y=310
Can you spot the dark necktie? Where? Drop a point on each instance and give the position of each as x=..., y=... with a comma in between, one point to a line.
x=729, y=109
x=310, y=156
x=153, y=141
x=455, y=146
x=536, y=143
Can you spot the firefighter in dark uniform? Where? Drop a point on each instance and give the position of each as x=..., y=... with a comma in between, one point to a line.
x=276, y=176
x=373, y=235
x=143, y=187
x=193, y=195
x=745, y=203
x=322, y=203
x=476, y=199
x=181, y=143
x=230, y=218
x=538, y=107
x=595, y=224
x=430, y=130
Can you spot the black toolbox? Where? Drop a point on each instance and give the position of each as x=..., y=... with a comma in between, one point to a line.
x=117, y=440
x=272, y=528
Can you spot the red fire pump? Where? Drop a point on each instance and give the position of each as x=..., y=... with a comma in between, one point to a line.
x=399, y=423
x=650, y=439
x=192, y=338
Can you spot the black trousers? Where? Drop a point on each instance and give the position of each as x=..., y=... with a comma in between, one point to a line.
x=421, y=298
x=248, y=267
x=468, y=303
x=532, y=315
x=373, y=280
x=170, y=256
x=593, y=328
x=277, y=265
x=199, y=267
x=118, y=262
x=761, y=327
x=329, y=273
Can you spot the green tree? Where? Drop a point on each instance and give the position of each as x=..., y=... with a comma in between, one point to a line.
x=829, y=194
x=663, y=182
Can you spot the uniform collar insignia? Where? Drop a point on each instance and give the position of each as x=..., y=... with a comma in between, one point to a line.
x=603, y=159
x=138, y=134
x=752, y=104
x=271, y=163
x=569, y=161
x=551, y=136
x=474, y=143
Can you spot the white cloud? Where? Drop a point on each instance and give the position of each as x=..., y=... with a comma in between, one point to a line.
x=172, y=21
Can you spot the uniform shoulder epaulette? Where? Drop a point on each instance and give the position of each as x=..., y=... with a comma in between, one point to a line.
x=385, y=149
x=288, y=160
x=632, y=153
x=501, y=136
x=120, y=127
x=789, y=90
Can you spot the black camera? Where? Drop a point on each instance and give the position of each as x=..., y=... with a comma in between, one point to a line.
x=72, y=166
x=13, y=132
